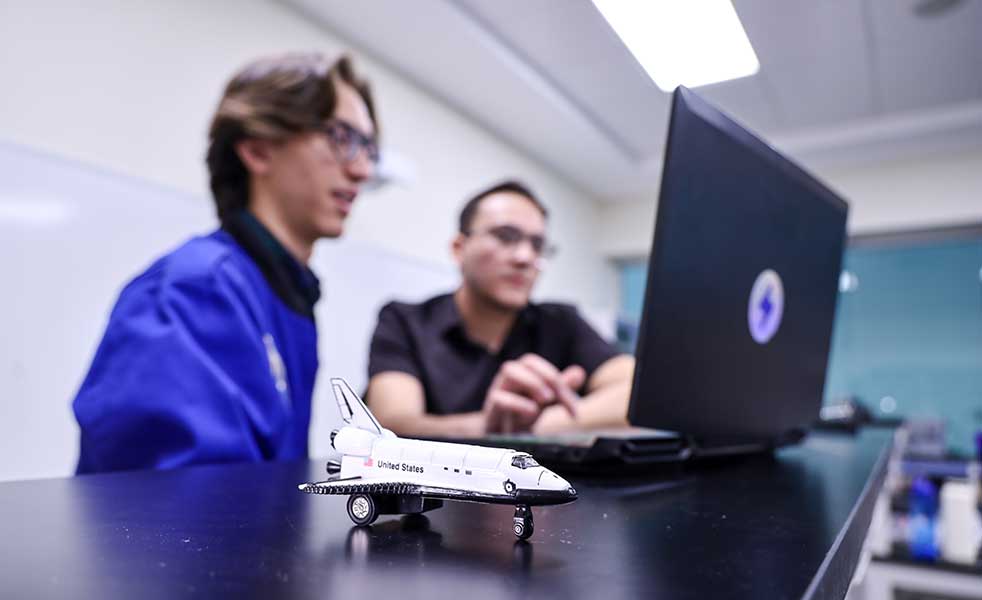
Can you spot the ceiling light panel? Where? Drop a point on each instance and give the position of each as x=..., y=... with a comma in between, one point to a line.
x=683, y=42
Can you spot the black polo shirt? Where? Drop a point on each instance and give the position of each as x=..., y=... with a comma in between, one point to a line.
x=428, y=341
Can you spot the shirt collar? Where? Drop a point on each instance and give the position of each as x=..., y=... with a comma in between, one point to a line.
x=447, y=321
x=292, y=281
x=446, y=317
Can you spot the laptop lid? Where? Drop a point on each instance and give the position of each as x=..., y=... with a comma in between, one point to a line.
x=741, y=288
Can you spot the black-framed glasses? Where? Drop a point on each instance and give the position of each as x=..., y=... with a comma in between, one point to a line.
x=348, y=142
x=510, y=236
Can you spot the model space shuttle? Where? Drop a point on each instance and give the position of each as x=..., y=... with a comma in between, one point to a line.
x=382, y=473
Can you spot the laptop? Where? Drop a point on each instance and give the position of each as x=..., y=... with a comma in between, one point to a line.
x=738, y=308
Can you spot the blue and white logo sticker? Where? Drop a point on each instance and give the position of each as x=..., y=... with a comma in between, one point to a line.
x=766, y=306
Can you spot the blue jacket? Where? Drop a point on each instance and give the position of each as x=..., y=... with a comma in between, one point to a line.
x=201, y=362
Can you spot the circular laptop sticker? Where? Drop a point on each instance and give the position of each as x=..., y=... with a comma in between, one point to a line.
x=766, y=306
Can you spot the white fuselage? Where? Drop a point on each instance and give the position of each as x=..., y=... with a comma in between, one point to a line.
x=474, y=470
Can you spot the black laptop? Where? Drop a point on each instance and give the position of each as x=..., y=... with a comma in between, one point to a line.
x=738, y=308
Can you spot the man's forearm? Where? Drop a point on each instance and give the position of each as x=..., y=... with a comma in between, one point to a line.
x=397, y=400
x=464, y=425
x=604, y=407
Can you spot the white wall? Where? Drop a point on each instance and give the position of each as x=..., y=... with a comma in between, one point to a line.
x=935, y=190
x=940, y=189
x=626, y=228
x=130, y=86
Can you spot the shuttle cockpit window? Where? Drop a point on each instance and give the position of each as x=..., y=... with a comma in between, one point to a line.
x=524, y=462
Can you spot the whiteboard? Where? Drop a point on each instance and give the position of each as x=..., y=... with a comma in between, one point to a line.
x=357, y=279
x=72, y=235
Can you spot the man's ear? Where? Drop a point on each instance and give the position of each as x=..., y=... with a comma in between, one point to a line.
x=255, y=155
x=457, y=247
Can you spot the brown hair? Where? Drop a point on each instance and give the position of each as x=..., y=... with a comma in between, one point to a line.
x=516, y=187
x=273, y=98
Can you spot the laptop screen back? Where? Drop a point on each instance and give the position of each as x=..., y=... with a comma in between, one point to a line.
x=741, y=289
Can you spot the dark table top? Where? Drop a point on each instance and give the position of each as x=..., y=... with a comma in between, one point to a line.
x=783, y=526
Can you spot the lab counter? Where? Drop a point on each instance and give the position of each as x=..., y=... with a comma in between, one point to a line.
x=784, y=525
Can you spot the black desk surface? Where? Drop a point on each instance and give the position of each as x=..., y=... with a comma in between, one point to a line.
x=783, y=526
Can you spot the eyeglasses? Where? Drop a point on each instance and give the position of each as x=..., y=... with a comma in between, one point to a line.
x=348, y=142
x=510, y=236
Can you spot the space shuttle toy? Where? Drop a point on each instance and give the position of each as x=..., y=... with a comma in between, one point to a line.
x=382, y=473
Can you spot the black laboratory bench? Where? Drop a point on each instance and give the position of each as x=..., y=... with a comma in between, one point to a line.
x=787, y=525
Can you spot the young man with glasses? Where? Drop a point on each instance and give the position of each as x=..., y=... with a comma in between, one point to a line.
x=484, y=359
x=210, y=355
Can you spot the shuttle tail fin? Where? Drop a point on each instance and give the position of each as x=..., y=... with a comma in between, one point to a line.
x=353, y=410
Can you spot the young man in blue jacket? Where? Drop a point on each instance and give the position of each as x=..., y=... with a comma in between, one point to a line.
x=210, y=355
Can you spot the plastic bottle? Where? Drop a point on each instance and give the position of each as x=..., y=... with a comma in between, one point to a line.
x=921, y=534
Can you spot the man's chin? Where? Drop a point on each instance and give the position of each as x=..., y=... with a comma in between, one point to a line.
x=514, y=302
x=331, y=230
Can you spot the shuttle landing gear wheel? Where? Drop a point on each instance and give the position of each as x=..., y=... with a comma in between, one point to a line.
x=522, y=523
x=362, y=509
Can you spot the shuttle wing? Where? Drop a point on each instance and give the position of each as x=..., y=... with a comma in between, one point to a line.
x=401, y=487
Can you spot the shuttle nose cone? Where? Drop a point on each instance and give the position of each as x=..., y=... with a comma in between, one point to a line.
x=571, y=492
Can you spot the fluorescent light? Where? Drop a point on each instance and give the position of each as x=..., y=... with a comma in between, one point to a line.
x=683, y=42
